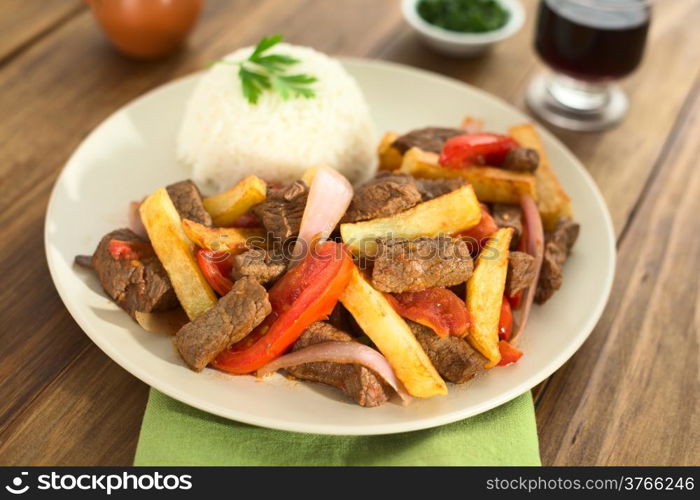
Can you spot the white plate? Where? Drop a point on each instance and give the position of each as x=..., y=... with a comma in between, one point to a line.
x=132, y=153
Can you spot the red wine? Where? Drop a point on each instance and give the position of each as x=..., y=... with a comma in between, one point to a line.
x=592, y=39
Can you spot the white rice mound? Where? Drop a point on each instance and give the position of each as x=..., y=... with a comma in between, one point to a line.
x=224, y=138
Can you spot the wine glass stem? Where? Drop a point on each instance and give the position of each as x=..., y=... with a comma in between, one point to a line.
x=578, y=95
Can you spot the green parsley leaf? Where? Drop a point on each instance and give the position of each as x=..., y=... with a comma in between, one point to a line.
x=267, y=72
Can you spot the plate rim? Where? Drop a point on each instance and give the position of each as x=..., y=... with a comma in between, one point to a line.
x=214, y=408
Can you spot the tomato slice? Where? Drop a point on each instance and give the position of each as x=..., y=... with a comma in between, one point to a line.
x=248, y=219
x=509, y=354
x=437, y=308
x=516, y=300
x=477, y=236
x=216, y=267
x=476, y=150
x=305, y=294
x=505, y=322
x=129, y=250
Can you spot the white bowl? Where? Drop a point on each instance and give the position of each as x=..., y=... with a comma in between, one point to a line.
x=463, y=44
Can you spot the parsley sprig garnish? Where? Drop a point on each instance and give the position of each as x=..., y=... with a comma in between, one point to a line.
x=263, y=71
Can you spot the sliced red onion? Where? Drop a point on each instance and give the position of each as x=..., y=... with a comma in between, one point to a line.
x=330, y=195
x=135, y=223
x=340, y=352
x=535, y=247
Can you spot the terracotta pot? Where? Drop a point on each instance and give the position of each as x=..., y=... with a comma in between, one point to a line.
x=146, y=29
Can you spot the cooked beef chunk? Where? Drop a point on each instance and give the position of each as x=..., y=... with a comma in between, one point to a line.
x=385, y=195
x=83, y=261
x=521, y=272
x=231, y=319
x=454, y=359
x=556, y=250
x=522, y=159
x=139, y=284
x=358, y=382
x=258, y=264
x=509, y=216
x=410, y=266
x=428, y=139
x=432, y=188
x=565, y=233
x=188, y=202
x=281, y=212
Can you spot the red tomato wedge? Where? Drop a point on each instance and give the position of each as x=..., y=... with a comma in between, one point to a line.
x=130, y=250
x=248, y=219
x=437, y=308
x=516, y=300
x=505, y=322
x=480, y=149
x=477, y=236
x=305, y=294
x=509, y=354
x=216, y=267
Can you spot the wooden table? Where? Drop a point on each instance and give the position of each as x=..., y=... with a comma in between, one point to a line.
x=629, y=396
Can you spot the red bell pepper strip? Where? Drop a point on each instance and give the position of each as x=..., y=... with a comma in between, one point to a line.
x=305, y=294
x=216, y=268
x=509, y=354
x=129, y=250
x=437, y=308
x=476, y=150
x=505, y=322
x=476, y=237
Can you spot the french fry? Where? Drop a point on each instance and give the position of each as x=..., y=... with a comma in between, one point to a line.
x=389, y=157
x=448, y=214
x=552, y=200
x=228, y=206
x=485, y=294
x=491, y=184
x=174, y=250
x=393, y=337
x=223, y=239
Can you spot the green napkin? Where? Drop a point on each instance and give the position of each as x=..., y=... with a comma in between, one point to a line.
x=173, y=433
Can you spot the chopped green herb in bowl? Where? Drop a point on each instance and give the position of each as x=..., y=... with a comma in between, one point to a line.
x=463, y=28
x=464, y=16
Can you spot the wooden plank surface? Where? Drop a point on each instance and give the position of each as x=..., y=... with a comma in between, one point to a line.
x=23, y=22
x=64, y=402
x=629, y=396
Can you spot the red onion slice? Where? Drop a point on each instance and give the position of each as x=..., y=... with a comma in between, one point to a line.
x=535, y=247
x=340, y=352
x=135, y=223
x=330, y=195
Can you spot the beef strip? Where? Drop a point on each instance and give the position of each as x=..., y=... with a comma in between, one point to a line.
x=454, y=359
x=522, y=160
x=556, y=250
x=432, y=188
x=385, y=195
x=521, y=272
x=134, y=284
x=231, y=319
x=358, y=382
x=410, y=266
x=505, y=215
x=428, y=139
x=281, y=212
x=188, y=202
x=258, y=264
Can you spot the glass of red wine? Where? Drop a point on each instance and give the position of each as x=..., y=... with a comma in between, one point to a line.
x=588, y=45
